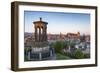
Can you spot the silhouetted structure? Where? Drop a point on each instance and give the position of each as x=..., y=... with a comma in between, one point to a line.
x=40, y=30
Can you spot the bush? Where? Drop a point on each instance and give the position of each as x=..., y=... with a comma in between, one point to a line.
x=59, y=45
x=78, y=54
x=86, y=55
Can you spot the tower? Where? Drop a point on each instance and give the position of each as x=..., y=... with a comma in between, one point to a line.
x=40, y=30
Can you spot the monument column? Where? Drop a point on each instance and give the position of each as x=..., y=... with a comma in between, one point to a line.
x=39, y=34
x=45, y=34
x=35, y=34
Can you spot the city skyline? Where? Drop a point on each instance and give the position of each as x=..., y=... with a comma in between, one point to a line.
x=58, y=22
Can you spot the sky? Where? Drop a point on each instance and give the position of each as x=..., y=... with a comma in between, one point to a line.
x=58, y=22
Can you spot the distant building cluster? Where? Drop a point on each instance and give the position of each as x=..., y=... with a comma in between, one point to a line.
x=68, y=36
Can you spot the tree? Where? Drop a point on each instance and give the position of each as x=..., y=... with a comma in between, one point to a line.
x=72, y=44
x=59, y=45
x=78, y=54
x=66, y=44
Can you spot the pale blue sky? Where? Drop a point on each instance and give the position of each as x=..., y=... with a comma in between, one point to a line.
x=59, y=22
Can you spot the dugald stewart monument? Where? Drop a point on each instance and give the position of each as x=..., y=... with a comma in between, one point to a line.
x=39, y=47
